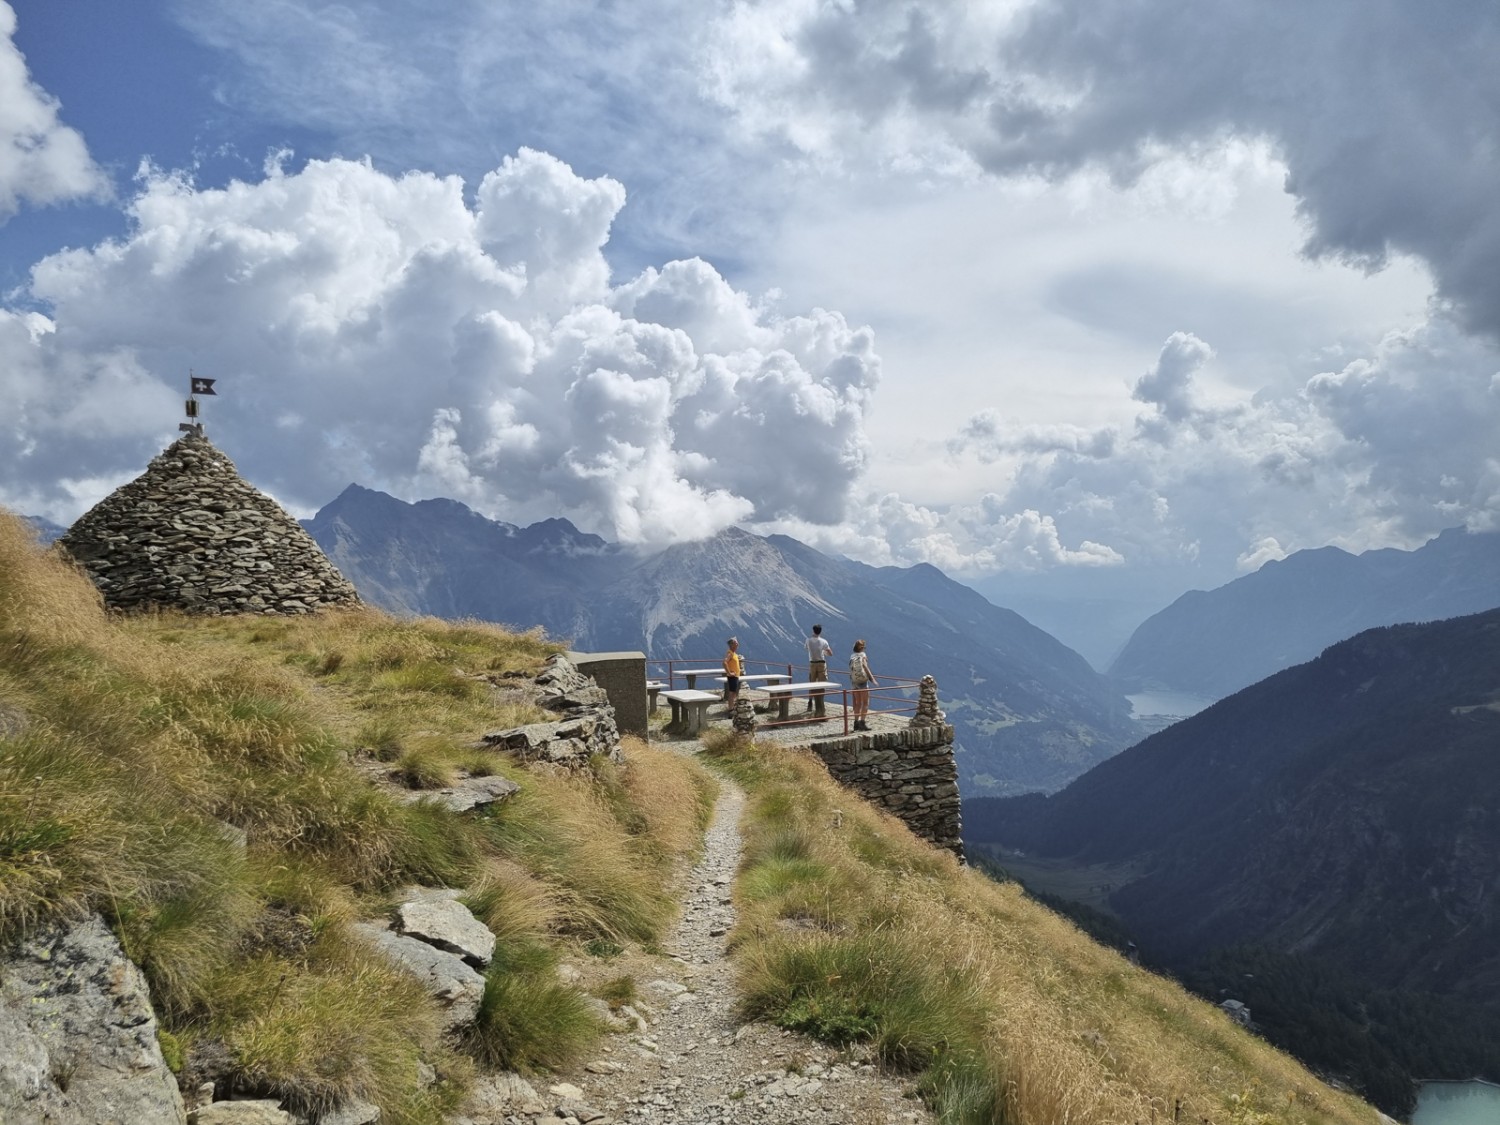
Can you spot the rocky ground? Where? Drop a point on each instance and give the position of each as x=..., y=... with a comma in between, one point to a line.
x=681, y=1054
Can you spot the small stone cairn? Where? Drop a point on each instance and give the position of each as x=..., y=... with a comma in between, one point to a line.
x=927, y=714
x=191, y=534
x=744, y=716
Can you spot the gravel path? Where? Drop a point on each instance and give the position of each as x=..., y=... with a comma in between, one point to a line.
x=683, y=1056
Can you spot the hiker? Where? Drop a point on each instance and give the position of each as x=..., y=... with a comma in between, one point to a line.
x=861, y=679
x=734, y=668
x=818, y=652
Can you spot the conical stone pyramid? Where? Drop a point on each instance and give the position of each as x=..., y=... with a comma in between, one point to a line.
x=190, y=534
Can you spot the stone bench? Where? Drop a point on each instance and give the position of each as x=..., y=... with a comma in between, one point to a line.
x=782, y=694
x=759, y=678
x=653, y=689
x=689, y=710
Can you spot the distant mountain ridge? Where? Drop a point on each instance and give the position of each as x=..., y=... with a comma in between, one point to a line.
x=46, y=530
x=1212, y=643
x=1031, y=714
x=1348, y=807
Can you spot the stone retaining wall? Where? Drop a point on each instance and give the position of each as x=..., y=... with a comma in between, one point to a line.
x=910, y=773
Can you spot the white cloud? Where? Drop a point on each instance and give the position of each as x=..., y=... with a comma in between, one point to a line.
x=41, y=160
x=376, y=328
x=1259, y=553
x=1383, y=115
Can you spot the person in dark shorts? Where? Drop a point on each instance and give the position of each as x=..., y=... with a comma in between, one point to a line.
x=734, y=668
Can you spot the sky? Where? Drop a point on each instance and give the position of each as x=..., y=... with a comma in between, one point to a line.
x=1101, y=297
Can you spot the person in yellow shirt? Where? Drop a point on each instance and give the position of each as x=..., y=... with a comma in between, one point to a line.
x=734, y=668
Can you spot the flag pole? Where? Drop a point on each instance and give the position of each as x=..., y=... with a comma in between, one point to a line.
x=197, y=385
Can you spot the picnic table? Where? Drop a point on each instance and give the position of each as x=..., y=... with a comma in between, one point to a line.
x=782, y=694
x=689, y=709
x=692, y=674
x=654, y=688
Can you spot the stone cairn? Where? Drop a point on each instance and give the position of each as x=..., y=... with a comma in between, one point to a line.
x=190, y=534
x=744, y=716
x=927, y=714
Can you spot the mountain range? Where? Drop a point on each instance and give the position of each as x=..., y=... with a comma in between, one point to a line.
x=1348, y=807
x=1212, y=643
x=1030, y=713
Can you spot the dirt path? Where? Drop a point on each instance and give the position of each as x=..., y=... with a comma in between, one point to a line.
x=687, y=1058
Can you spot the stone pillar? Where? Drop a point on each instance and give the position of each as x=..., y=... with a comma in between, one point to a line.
x=744, y=716
x=622, y=675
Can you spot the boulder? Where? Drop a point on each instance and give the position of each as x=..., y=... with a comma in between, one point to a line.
x=78, y=1035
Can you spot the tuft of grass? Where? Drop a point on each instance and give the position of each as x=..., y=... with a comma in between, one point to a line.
x=602, y=890
x=423, y=767
x=515, y=906
x=528, y=1019
x=383, y=737
x=343, y=1025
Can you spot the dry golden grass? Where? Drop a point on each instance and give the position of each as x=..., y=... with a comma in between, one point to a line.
x=1010, y=1013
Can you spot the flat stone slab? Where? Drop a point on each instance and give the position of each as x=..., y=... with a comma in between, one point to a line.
x=470, y=793
x=443, y=921
x=455, y=985
x=248, y=1112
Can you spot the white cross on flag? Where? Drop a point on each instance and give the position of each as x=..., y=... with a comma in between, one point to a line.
x=203, y=386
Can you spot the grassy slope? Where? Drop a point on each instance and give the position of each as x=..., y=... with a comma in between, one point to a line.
x=852, y=929
x=134, y=751
x=126, y=746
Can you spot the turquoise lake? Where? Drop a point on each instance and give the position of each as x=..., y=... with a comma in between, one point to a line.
x=1457, y=1103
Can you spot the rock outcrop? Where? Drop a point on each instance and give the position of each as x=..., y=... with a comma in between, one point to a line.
x=78, y=1036
x=440, y=943
x=191, y=534
x=587, y=727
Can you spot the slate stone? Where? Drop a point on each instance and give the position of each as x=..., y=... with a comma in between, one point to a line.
x=450, y=981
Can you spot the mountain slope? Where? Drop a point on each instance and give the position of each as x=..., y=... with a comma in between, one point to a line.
x=1349, y=808
x=1030, y=713
x=1212, y=643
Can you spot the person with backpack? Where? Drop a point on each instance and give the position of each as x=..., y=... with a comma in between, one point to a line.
x=861, y=679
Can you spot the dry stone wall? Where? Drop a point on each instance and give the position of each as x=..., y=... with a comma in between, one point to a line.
x=910, y=773
x=191, y=534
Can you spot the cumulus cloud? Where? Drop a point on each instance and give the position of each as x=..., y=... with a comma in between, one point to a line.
x=378, y=328
x=1389, y=448
x=41, y=160
x=1384, y=116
